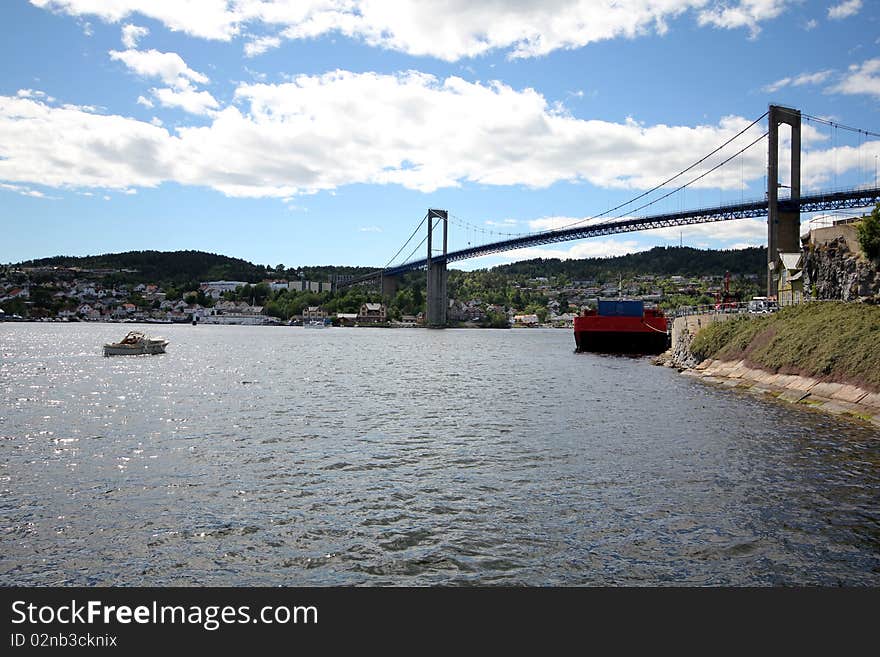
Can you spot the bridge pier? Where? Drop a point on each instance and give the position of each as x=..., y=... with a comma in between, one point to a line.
x=390, y=285
x=437, y=296
x=783, y=218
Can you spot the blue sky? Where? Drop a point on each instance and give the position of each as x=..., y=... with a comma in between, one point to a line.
x=319, y=131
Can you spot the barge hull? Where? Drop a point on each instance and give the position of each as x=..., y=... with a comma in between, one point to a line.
x=622, y=332
x=621, y=342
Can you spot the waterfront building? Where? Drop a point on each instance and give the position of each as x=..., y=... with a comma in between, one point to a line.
x=314, y=314
x=791, y=281
x=372, y=313
x=525, y=320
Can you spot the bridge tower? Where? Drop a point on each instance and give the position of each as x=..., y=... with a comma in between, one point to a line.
x=783, y=217
x=437, y=296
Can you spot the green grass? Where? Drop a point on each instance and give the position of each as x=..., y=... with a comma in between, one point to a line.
x=831, y=341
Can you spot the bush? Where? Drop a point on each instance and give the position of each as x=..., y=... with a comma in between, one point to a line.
x=869, y=234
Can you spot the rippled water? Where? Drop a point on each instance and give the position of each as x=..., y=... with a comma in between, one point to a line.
x=289, y=456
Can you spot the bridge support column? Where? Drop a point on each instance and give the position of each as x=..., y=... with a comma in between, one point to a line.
x=783, y=217
x=390, y=284
x=437, y=297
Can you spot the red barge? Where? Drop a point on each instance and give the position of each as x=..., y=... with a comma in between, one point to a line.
x=622, y=327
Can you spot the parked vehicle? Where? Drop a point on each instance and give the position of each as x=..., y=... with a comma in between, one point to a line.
x=763, y=306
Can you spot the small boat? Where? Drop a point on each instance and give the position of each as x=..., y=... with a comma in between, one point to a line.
x=135, y=344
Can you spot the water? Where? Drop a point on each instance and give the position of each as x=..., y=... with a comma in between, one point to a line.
x=283, y=456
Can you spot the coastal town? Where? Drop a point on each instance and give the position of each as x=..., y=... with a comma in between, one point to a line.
x=51, y=293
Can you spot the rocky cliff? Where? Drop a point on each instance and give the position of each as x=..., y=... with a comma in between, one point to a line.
x=833, y=271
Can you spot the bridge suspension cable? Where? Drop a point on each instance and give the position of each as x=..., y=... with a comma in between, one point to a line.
x=485, y=231
x=677, y=175
x=834, y=124
x=394, y=257
x=481, y=229
x=424, y=239
x=693, y=180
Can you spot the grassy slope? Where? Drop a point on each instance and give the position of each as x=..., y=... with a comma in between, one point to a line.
x=831, y=341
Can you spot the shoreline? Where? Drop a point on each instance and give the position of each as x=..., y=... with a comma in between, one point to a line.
x=838, y=399
x=456, y=325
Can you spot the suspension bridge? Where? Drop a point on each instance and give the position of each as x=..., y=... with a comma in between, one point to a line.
x=783, y=215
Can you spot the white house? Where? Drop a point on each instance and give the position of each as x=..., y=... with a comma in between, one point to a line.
x=525, y=320
x=215, y=289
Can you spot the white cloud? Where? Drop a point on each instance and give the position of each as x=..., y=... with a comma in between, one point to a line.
x=34, y=93
x=131, y=34
x=410, y=129
x=746, y=13
x=445, y=29
x=260, y=45
x=171, y=69
x=735, y=233
x=169, y=66
x=811, y=24
x=256, y=75
x=370, y=229
x=844, y=9
x=68, y=147
x=188, y=99
x=799, y=80
x=26, y=191
x=508, y=224
x=208, y=19
x=819, y=167
x=861, y=78
x=560, y=223
x=591, y=248
x=375, y=129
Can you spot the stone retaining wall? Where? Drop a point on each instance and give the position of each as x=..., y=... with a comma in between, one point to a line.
x=834, y=398
x=684, y=329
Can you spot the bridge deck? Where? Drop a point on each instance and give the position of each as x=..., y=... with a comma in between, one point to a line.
x=848, y=199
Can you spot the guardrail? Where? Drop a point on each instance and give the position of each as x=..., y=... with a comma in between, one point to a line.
x=730, y=308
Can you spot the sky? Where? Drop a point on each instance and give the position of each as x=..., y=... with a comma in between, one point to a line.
x=319, y=132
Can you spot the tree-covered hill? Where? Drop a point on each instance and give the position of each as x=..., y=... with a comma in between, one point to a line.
x=684, y=261
x=162, y=266
x=184, y=267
